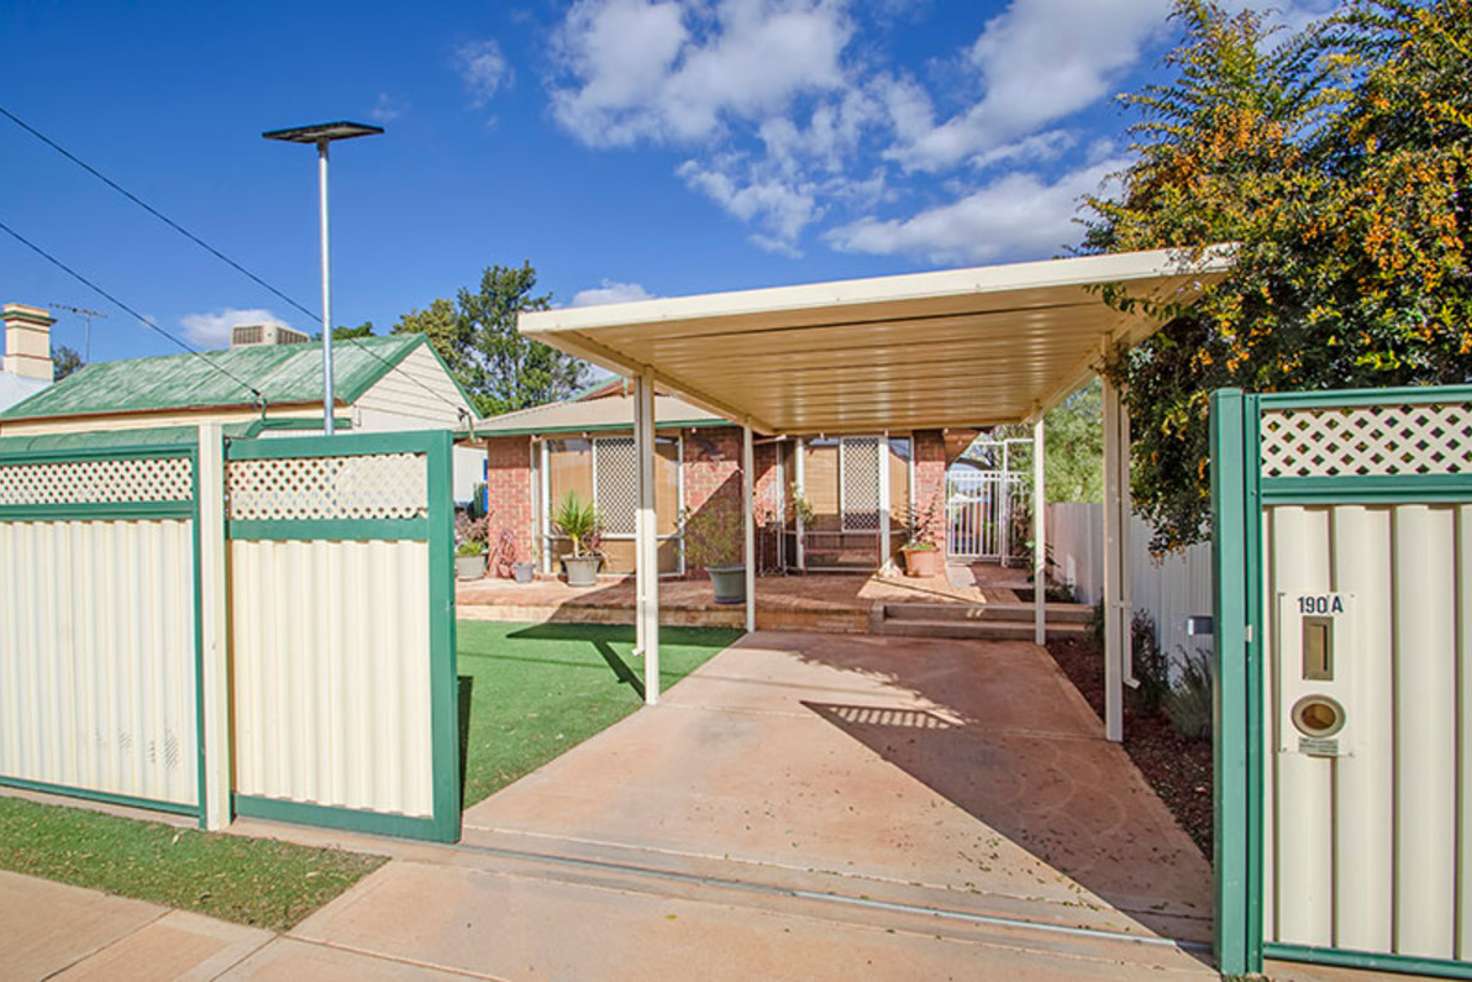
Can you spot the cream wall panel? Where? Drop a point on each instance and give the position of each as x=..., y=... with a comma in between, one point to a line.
x=1425, y=729
x=1464, y=732
x=1271, y=716
x=1304, y=801
x=418, y=395
x=97, y=657
x=332, y=685
x=1364, y=786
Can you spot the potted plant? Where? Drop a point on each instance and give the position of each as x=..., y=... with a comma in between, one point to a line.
x=578, y=520
x=526, y=570
x=713, y=538
x=470, y=554
x=922, y=556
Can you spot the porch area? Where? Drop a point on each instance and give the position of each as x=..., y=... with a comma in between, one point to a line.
x=978, y=600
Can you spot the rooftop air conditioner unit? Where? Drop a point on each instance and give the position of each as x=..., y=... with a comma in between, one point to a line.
x=250, y=335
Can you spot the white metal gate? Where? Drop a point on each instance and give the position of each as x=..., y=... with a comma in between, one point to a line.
x=979, y=510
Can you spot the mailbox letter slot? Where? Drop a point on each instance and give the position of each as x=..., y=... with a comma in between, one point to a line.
x=1318, y=649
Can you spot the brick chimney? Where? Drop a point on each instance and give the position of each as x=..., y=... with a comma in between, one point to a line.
x=27, y=341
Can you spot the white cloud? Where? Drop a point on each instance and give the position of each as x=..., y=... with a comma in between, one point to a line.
x=1017, y=214
x=677, y=72
x=786, y=114
x=1037, y=61
x=483, y=69
x=212, y=329
x=781, y=209
x=610, y=291
x=387, y=108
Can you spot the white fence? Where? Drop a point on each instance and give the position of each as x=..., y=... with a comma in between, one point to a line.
x=1171, y=588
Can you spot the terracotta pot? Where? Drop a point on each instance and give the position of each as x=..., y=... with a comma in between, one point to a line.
x=923, y=562
x=729, y=583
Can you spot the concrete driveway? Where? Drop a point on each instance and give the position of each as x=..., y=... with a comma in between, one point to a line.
x=965, y=777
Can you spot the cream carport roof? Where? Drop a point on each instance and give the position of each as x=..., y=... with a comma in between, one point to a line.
x=960, y=347
x=613, y=412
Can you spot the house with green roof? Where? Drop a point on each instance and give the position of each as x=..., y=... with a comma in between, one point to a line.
x=381, y=384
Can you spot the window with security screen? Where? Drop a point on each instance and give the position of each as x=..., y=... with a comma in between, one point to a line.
x=605, y=470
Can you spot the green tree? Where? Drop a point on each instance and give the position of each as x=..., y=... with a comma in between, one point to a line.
x=1073, y=456
x=1338, y=160
x=65, y=361
x=478, y=340
x=450, y=335
x=363, y=330
x=343, y=332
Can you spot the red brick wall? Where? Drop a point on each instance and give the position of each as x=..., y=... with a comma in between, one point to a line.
x=930, y=484
x=510, y=490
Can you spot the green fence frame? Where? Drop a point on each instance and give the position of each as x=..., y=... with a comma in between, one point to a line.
x=1239, y=494
x=438, y=529
x=108, y=447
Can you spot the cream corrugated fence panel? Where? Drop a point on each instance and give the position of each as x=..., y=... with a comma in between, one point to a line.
x=98, y=687
x=332, y=673
x=97, y=628
x=339, y=589
x=1169, y=588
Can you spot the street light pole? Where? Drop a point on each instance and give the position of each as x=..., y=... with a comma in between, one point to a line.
x=322, y=134
x=329, y=399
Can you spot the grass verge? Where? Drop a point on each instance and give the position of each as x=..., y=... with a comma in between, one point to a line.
x=536, y=690
x=259, y=882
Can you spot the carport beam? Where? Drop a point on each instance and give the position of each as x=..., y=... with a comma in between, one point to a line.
x=748, y=546
x=1039, y=531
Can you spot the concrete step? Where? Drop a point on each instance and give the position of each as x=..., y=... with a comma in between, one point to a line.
x=975, y=630
x=990, y=612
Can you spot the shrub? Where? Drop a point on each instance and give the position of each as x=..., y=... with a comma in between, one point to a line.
x=1152, y=668
x=578, y=520
x=714, y=536
x=1188, y=704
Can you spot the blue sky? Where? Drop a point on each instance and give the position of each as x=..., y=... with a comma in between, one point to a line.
x=625, y=147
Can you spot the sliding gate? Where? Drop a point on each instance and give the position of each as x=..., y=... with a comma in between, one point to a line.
x=343, y=632
x=1343, y=562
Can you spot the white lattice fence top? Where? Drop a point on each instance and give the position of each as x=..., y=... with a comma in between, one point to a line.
x=96, y=482
x=1348, y=441
x=617, y=491
x=370, y=486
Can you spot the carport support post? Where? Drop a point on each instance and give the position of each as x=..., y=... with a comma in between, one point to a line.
x=885, y=566
x=1116, y=518
x=213, y=637
x=646, y=569
x=748, y=519
x=1039, y=536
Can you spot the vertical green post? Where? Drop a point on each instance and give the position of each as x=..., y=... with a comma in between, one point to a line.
x=1230, y=697
x=444, y=674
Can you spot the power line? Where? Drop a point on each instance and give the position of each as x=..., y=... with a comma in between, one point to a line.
x=212, y=251
x=260, y=398
x=148, y=208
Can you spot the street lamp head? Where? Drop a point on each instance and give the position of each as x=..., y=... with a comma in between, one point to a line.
x=323, y=132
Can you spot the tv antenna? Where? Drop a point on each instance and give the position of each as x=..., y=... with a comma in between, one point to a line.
x=86, y=314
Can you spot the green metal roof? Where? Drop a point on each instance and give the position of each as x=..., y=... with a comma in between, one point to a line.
x=285, y=374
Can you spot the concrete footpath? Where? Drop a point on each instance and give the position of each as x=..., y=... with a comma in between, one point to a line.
x=434, y=920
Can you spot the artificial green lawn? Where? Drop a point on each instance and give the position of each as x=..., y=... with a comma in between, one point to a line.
x=250, y=881
x=539, y=689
